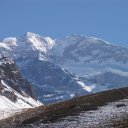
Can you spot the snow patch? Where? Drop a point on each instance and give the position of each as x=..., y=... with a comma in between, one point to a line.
x=87, y=88
x=8, y=107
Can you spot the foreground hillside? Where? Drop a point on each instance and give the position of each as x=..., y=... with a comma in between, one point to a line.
x=108, y=109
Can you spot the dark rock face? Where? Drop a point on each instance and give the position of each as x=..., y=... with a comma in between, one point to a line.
x=10, y=95
x=54, y=83
x=110, y=80
x=9, y=73
x=1, y=87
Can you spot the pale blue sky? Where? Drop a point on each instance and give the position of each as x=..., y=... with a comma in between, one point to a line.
x=106, y=19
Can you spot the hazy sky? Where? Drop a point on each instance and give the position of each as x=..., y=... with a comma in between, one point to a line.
x=106, y=19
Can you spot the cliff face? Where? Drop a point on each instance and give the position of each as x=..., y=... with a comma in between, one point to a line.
x=11, y=77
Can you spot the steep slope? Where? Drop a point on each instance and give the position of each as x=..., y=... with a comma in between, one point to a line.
x=16, y=93
x=55, y=83
x=90, y=64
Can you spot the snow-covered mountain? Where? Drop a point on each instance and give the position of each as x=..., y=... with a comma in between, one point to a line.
x=16, y=92
x=68, y=67
x=96, y=61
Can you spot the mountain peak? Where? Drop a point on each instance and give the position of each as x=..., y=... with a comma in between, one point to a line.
x=38, y=42
x=10, y=41
x=89, y=39
x=29, y=34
